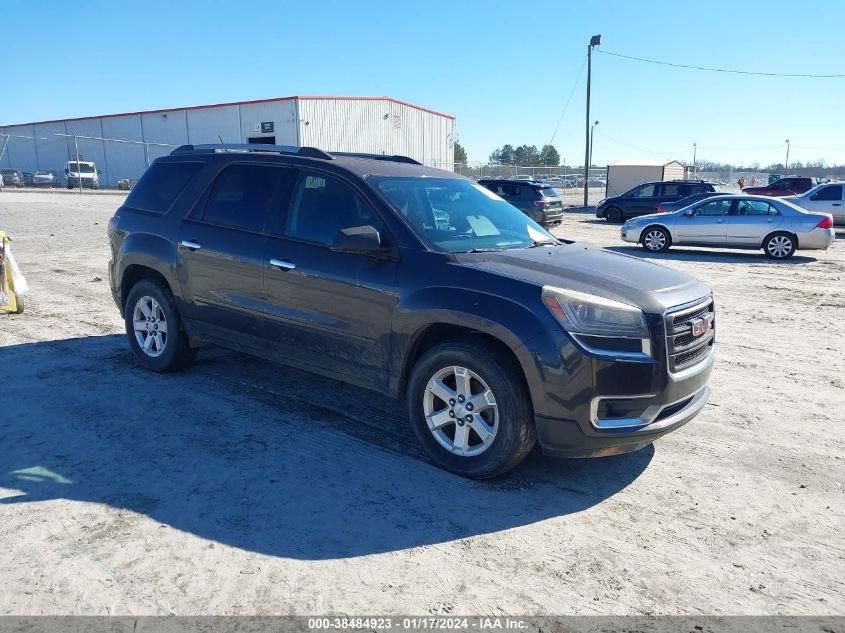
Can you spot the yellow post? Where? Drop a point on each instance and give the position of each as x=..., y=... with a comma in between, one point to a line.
x=6, y=283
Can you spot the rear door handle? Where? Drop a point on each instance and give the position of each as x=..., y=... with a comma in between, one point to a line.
x=194, y=246
x=282, y=264
x=837, y=204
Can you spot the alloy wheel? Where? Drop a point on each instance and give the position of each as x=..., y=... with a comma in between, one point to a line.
x=655, y=240
x=461, y=411
x=779, y=246
x=150, y=326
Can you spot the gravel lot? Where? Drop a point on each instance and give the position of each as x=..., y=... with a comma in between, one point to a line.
x=242, y=487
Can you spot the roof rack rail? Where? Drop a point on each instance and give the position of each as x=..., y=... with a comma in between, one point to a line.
x=394, y=158
x=307, y=152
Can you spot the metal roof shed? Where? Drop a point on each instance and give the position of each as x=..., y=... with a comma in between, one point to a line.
x=624, y=175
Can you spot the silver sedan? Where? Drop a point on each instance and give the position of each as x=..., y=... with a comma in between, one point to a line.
x=734, y=221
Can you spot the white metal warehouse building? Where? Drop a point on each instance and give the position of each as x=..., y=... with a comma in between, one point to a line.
x=379, y=125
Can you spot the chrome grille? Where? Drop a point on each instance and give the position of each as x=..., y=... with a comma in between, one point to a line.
x=684, y=347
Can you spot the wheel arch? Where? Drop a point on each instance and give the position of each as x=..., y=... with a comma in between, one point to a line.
x=791, y=234
x=656, y=225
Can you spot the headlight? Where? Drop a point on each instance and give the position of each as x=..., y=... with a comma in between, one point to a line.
x=582, y=313
x=601, y=202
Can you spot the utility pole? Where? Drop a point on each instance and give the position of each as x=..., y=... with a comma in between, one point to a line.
x=594, y=41
x=786, y=164
x=694, y=151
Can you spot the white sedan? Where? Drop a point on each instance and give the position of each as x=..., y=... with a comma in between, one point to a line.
x=777, y=227
x=827, y=198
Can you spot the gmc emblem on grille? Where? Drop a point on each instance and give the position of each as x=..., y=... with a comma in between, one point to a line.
x=702, y=325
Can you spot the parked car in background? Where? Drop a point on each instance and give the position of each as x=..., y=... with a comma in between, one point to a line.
x=47, y=178
x=126, y=184
x=734, y=221
x=669, y=207
x=825, y=198
x=787, y=186
x=496, y=333
x=646, y=198
x=592, y=182
x=12, y=177
x=538, y=200
x=523, y=177
x=28, y=179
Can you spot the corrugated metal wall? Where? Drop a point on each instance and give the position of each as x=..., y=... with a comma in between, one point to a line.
x=351, y=125
x=378, y=127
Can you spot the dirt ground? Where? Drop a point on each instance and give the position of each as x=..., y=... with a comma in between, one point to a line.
x=242, y=487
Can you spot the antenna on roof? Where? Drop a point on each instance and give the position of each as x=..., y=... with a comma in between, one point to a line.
x=221, y=139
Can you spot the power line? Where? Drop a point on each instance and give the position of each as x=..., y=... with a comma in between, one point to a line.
x=634, y=147
x=721, y=70
x=572, y=92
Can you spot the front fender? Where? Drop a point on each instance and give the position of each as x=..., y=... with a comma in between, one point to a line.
x=511, y=321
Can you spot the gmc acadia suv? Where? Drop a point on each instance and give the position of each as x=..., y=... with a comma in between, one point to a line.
x=417, y=283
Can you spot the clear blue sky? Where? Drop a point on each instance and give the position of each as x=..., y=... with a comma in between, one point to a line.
x=503, y=69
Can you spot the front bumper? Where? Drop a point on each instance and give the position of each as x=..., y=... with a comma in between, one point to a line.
x=592, y=403
x=630, y=234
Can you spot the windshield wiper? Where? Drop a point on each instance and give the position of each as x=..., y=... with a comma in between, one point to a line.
x=544, y=243
x=487, y=250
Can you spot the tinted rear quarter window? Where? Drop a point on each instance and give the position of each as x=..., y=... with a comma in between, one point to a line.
x=160, y=185
x=549, y=192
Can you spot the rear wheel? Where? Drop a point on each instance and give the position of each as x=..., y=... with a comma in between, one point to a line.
x=656, y=239
x=155, y=330
x=468, y=409
x=780, y=245
x=613, y=215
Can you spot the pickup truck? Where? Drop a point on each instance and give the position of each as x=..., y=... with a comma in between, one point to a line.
x=789, y=186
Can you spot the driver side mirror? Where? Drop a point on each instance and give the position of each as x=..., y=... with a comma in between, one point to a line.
x=689, y=213
x=364, y=240
x=815, y=196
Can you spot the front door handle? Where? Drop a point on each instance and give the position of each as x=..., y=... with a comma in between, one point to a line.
x=720, y=221
x=837, y=204
x=282, y=264
x=194, y=246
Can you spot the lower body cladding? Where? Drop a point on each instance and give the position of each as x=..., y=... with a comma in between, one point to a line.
x=595, y=405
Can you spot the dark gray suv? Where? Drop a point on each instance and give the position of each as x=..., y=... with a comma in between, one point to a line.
x=413, y=282
x=538, y=200
x=647, y=197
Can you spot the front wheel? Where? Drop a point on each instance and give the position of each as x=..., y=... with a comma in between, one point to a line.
x=154, y=328
x=656, y=239
x=613, y=215
x=470, y=409
x=780, y=246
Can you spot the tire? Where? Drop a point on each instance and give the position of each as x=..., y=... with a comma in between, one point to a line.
x=656, y=239
x=780, y=245
x=168, y=350
x=487, y=370
x=613, y=215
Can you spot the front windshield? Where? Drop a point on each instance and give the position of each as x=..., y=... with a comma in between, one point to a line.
x=458, y=216
x=83, y=168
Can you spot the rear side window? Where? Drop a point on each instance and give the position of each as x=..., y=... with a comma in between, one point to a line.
x=832, y=192
x=670, y=191
x=700, y=188
x=549, y=192
x=160, y=185
x=243, y=195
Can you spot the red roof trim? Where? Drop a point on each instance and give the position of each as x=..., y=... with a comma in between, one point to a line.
x=234, y=103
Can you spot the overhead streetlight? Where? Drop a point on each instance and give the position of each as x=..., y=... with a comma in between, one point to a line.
x=786, y=164
x=594, y=41
x=592, y=129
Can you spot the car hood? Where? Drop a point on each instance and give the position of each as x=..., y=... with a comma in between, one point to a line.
x=624, y=278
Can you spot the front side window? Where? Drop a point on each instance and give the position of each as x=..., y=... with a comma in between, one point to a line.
x=755, y=207
x=717, y=207
x=646, y=191
x=321, y=206
x=244, y=194
x=455, y=216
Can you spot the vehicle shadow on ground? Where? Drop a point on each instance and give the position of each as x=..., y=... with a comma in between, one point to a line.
x=256, y=456
x=706, y=255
